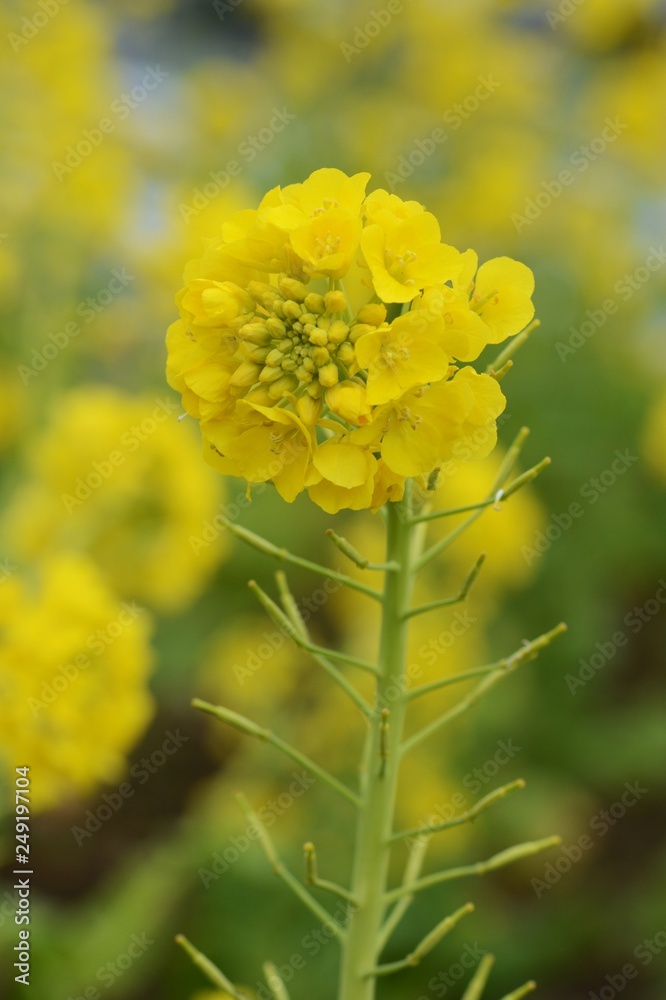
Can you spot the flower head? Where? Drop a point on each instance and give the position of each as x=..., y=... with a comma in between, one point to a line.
x=74, y=667
x=116, y=476
x=297, y=383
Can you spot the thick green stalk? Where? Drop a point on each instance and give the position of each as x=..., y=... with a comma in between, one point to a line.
x=380, y=768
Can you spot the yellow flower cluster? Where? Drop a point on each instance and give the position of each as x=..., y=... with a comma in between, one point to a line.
x=114, y=475
x=74, y=662
x=343, y=392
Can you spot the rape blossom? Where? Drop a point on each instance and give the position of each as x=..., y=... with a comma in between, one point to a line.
x=320, y=343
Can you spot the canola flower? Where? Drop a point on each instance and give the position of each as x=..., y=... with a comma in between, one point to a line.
x=131, y=492
x=346, y=395
x=325, y=344
x=74, y=666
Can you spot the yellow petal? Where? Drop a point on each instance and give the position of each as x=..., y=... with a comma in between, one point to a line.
x=343, y=464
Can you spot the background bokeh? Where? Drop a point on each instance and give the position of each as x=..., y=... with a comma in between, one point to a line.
x=129, y=132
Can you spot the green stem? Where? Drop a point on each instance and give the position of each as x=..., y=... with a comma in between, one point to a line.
x=360, y=950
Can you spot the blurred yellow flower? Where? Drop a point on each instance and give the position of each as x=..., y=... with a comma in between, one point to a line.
x=654, y=436
x=116, y=476
x=74, y=665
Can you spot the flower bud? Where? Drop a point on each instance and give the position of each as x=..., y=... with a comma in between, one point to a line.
x=256, y=333
x=338, y=332
x=276, y=326
x=328, y=375
x=256, y=354
x=291, y=309
x=348, y=400
x=270, y=374
x=320, y=356
x=318, y=337
x=309, y=409
x=335, y=302
x=274, y=358
x=293, y=289
x=283, y=385
x=346, y=353
x=246, y=374
x=314, y=303
x=262, y=292
x=259, y=395
x=374, y=314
